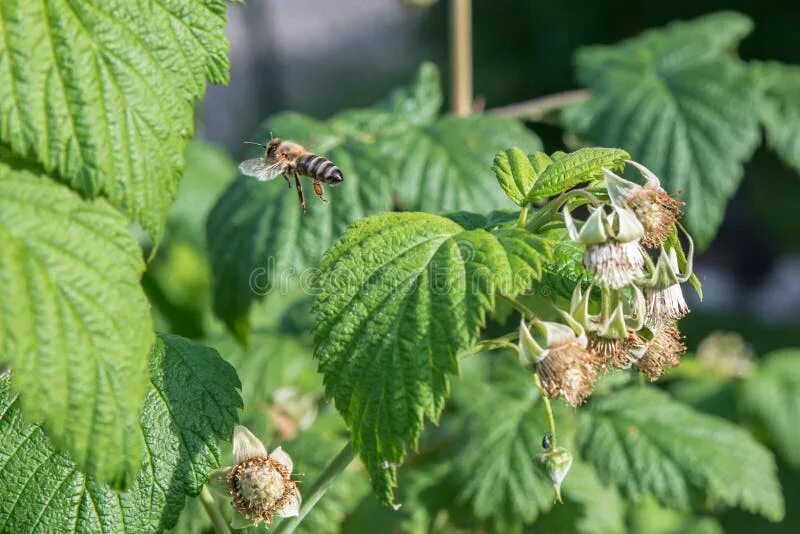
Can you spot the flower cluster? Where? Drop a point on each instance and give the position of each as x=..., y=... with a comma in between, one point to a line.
x=627, y=316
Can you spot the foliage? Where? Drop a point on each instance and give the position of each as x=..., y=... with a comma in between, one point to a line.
x=408, y=288
x=100, y=99
x=400, y=150
x=101, y=95
x=496, y=474
x=75, y=325
x=191, y=402
x=780, y=110
x=772, y=395
x=432, y=282
x=679, y=100
x=645, y=443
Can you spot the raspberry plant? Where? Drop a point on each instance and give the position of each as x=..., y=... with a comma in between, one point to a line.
x=485, y=317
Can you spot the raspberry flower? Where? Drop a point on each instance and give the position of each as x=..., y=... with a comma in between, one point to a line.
x=613, y=252
x=662, y=289
x=259, y=483
x=654, y=208
x=662, y=351
x=611, y=333
x=566, y=368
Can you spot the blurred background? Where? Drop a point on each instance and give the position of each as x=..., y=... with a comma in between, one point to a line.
x=319, y=57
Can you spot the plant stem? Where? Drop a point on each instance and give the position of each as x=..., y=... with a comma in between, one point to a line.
x=318, y=489
x=551, y=421
x=523, y=215
x=502, y=342
x=461, y=57
x=538, y=108
x=210, y=504
x=547, y=212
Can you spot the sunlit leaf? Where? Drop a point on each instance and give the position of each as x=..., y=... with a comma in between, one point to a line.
x=74, y=322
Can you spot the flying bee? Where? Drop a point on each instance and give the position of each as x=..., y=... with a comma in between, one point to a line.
x=293, y=161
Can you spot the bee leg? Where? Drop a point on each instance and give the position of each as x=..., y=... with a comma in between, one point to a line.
x=319, y=191
x=300, y=195
x=286, y=177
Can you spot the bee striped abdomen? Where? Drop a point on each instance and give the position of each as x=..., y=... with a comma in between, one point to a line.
x=319, y=168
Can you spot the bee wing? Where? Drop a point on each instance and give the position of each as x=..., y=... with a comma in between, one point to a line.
x=259, y=168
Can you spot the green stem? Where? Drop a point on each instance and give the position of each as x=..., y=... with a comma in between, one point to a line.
x=548, y=212
x=551, y=421
x=210, y=504
x=523, y=215
x=502, y=342
x=520, y=307
x=318, y=488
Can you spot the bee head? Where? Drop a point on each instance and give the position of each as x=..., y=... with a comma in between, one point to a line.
x=273, y=144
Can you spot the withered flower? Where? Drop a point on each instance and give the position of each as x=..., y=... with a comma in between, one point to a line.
x=654, y=208
x=662, y=291
x=663, y=351
x=565, y=366
x=260, y=483
x=613, y=253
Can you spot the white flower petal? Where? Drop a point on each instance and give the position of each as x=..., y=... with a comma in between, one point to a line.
x=280, y=456
x=246, y=445
x=292, y=506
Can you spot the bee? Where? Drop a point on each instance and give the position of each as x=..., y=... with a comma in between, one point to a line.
x=293, y=161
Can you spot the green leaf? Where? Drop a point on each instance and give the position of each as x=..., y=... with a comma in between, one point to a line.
x=400, y=295
x=101, y=94
x=445, y=166
x=772, y=395
x=561, y=275
x=497, y=470
x=191, y=403
x=780, y=108
x=74, y=323
x=515, y=174
x=648, y=444
x=682, y=104
x=577, y=167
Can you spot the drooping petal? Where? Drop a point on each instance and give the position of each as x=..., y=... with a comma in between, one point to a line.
x=594, y=229
x=280, y=456
x=218, y=481
x=652, y=180
x=619, y=189
x=246, y=445
x=530, y=351
x=556, y=334
x=241, y=521
x=292, y=506
x=626, y=227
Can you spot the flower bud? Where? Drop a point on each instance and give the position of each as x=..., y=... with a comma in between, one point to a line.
x=557, y=463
